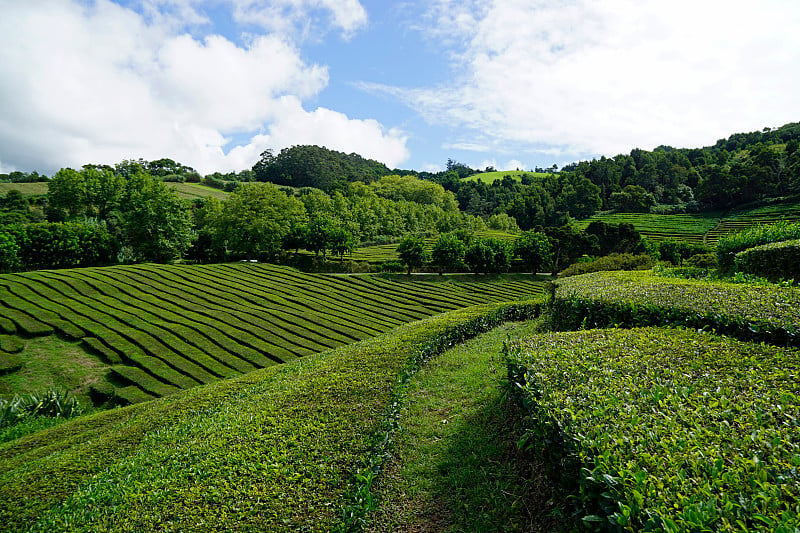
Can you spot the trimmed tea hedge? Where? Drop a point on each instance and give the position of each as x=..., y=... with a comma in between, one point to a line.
x=665, y=430
x=730, y=245
x=776, y=261
x=185, y=325
x=286, y=448
x=628, y=299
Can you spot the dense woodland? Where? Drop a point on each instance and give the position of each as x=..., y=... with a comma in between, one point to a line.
x=328, y=202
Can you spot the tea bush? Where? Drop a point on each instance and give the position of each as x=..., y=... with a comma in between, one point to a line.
x=611, y=262
x=780, y=260
x=665, y=430
x=291, y=447
x=628, y=299
x=729, y=245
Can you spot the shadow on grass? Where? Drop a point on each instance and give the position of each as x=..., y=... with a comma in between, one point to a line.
x=488, y=485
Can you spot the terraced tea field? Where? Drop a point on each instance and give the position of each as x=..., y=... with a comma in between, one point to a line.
x=165, y=328
x=687, y=227
x=741, y=219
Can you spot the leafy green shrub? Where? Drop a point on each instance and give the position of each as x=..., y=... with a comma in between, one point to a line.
x=705, y=260
x=677, y=251
x=779, y=260
x=57, y=245
x=52, y=403
x=9, y=252
x=729, y=245
x=664, y=430
x=611, y=262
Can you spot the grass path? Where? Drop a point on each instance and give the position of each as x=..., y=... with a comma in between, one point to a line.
x=456, y=466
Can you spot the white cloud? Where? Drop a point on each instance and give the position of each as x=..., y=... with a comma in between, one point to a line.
x=97, y=83
x=514, y=164
x=604, y=77
x=285, y=15
x=334, y=130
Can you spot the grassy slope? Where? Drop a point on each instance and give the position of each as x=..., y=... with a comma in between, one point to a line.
x=456, y=466
x=190, y=191
x=691, y=227
x=27, y=189
x=163, y=328
x=273, y=450
x=489, y=177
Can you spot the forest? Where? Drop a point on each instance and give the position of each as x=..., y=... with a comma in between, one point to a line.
x=327, y=202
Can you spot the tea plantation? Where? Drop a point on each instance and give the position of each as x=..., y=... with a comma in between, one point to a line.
x=667, y=428
x=654, y=403
x=165, y=328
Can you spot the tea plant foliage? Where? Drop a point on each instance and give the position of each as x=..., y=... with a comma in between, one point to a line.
x=665, y=430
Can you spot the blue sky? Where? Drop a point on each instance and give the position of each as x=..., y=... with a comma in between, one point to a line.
x=506, y=83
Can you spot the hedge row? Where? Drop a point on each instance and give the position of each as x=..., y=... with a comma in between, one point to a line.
x=665, y=430
x=286, y=448
x=629, y=299
x=55, y=245
x=730, y=245
x=775, y=261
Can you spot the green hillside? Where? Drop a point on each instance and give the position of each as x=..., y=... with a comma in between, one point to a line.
x=159, y=329
x=284, y=448
x=27, y=189
x=705, y=227
x=190, y=191
x=516, y=175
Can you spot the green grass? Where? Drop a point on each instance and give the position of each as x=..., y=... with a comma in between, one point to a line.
x=277, y=449
x=162, y=328
x=27, y=189
x=456, y=466
x=191, y=191
x=665, y=430
x=52, y=363
x=490, y=177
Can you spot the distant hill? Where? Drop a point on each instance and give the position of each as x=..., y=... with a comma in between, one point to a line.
x=316, y=166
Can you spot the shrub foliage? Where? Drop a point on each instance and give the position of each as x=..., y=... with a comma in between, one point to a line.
x=780, y=260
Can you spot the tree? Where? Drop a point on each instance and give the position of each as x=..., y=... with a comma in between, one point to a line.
x=448, y=252
x=341, y=242
x=157, y=224
x=479, y=257
x=633, y=199
x=320, y=235
x=534, y=249
x=67, y=194
x=569, y=243
x=9, y=252
x=255, y=219
x=412, y=252
x=296, y=237
x=501, y=255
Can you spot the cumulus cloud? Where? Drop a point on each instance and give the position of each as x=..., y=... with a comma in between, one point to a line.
x=93, y=82
x=584, y=77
